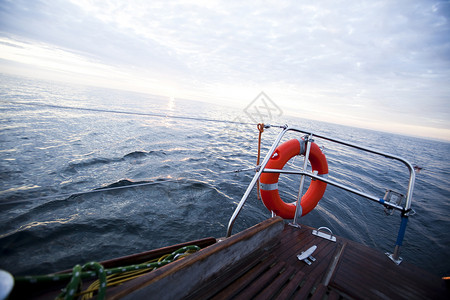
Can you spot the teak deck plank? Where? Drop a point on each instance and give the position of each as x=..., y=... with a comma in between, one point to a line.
x=320, y=292
x=262, y=281
x=274, y=287
x=227, y=278
x=290, y=288
x=230, y=291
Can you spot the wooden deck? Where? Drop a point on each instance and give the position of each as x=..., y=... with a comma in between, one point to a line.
x=271, y=270
x=261, y=263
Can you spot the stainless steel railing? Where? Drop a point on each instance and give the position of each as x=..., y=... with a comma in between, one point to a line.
x=404, y=209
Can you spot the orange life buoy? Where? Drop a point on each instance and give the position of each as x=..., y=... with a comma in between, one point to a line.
x=269, y=181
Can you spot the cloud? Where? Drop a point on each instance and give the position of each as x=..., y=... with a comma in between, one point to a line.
x=370, y=59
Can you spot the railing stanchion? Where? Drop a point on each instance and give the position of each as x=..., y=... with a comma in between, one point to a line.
x=254, y=180
x=298, y=208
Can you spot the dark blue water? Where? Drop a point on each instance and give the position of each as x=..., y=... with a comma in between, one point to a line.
x=48, y=155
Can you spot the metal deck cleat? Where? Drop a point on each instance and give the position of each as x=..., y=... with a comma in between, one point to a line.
x=306, y=256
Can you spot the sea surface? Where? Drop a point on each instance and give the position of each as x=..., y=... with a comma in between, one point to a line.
x=91, y=174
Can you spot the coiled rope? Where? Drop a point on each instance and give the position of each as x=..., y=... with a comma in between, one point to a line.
x=75, y=282
x=106, y=277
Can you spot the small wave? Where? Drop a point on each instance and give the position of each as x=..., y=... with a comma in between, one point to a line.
x=142, y=154
x=136, y=154
x=40, y=223
x=96, y=161
x=121, y=183
x=91, y=162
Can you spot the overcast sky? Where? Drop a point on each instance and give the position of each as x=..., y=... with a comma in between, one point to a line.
x=375, y=64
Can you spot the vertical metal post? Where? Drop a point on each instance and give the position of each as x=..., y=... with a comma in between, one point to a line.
x=298, y=209
x=254, y=180
x=401, y=234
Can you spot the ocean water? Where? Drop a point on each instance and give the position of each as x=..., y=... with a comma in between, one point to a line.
x=58, y=167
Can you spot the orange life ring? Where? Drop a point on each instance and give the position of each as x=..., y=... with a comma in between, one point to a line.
x=269, y=181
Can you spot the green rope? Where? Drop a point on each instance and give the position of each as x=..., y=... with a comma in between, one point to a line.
x=75, y=283
x=78, y=273
x=73, y=286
